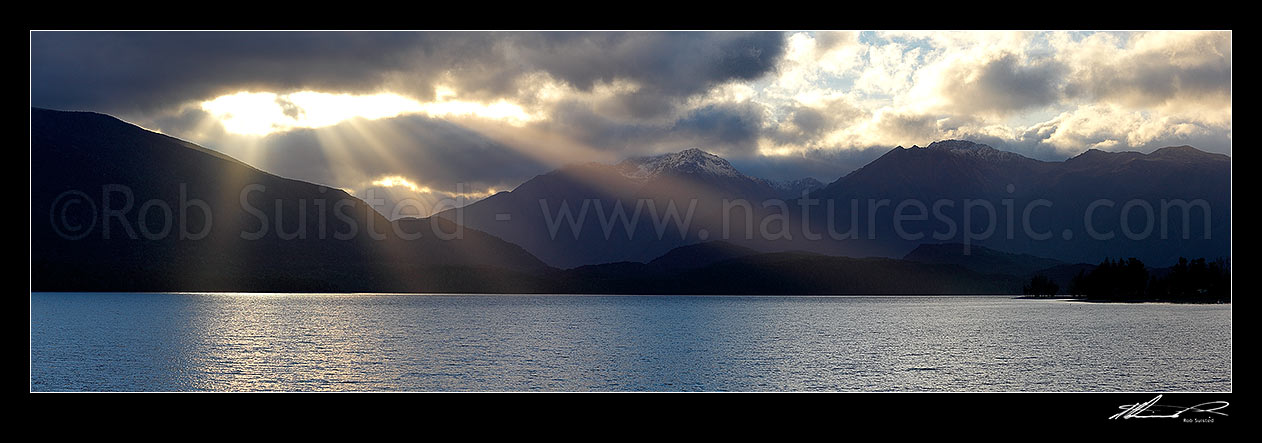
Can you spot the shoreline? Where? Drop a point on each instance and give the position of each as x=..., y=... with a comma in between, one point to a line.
x=1173, y=302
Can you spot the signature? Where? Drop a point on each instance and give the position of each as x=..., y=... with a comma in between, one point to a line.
x=1151, y=409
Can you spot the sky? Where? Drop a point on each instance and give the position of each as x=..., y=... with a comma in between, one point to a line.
x=435, y=115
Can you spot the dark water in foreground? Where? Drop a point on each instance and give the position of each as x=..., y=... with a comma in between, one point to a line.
x=299, y=342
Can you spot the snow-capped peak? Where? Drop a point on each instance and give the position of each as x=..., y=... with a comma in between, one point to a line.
x=965, y=147
x=688, y=161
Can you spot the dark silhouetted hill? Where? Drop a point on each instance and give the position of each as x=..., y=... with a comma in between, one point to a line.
x=700, y=255
x=741, y=272
x=117, y=208
x=980, y=259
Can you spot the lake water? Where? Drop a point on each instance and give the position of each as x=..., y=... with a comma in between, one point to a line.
x=319, y=342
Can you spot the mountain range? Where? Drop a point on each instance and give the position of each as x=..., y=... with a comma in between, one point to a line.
x=586, y=214
x=1174, y=201
x=117, y=208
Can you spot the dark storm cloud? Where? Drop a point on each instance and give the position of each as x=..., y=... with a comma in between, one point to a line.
x=731, y=128
x=723, y=129
x=1004, y=84
x=140, y=72
x=677, y=63
x=638, y=105
x=582, y=123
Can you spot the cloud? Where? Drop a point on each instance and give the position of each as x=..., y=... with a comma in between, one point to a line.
x=895, y=125
x=1115, y=127
x=998, y=85
x=720, y=127
x=889, y=68
x=1151, y=70
x=1042, y=94
x=144, y=71
x=783, y=105
x=141, y=72
x=730, y=129
x=682, y=63
x=603, y=89
x=826, y=41
x=815, y=125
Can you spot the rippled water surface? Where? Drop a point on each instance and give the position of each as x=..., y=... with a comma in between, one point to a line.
x=301, y=342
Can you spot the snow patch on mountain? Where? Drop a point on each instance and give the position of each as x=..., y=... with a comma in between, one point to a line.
x=794, y=188
x=689, y=161
x=971, y=149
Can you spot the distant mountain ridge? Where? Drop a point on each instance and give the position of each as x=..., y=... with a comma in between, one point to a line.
x=957, y=164
x=696, y=162
x=951, y=171
x=968, y=148
x=1059, y=196
x=795, y=189
x=700, y=255
x=981, y=259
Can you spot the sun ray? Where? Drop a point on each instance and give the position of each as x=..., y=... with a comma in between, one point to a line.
x=262, y=113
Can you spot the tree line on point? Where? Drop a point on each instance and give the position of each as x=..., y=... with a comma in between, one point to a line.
x=1197, y=281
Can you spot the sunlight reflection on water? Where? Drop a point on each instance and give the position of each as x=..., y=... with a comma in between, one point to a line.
x=301, y=342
